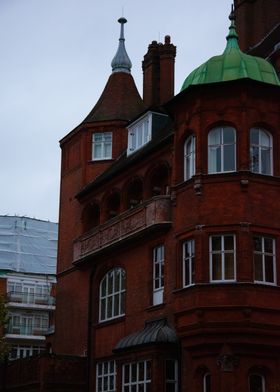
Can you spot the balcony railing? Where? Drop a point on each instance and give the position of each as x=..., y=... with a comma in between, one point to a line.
x=22, y=329
x=30, y=298
x=150, y=214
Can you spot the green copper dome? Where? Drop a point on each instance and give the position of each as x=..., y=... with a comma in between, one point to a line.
x=233, y=64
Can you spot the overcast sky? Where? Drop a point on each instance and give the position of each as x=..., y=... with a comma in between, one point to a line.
x=55, y=61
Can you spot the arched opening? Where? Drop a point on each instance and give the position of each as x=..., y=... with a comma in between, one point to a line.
x=256, y=382
x=113, y=205
x=159, y=181
x=134, y=193
x=91, y=217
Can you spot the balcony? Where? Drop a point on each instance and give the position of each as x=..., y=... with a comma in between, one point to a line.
x=151, y=214
x=26, y=299
x=25, y=331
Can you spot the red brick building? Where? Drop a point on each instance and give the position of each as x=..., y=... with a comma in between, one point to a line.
x=168, y=273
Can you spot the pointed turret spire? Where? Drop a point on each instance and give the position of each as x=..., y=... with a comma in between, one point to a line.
x=232, y=37
x=121, y=62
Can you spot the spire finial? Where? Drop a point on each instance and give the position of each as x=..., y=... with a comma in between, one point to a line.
x=232, y=37
x=121, y=62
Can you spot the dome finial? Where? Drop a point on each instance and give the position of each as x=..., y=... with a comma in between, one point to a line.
x=121, y=62
x=232, y=37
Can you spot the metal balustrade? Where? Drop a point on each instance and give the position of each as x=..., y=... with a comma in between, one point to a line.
x=30, y=298
x=23, y=329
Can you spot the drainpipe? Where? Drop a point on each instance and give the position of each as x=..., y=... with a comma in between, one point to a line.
x=89, y=332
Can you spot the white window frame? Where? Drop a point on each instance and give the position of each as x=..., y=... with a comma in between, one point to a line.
x=206, y=375
x=263, y=253
x=188, y=261
x=221, y=146
x=222, y=252
x=107, y=301
x=261, y=148
x=28, y=291
x=262, y=378
x=139, y=133
x=102, y=143
x=105, y=371
x=175, y=380
x=28, y=323
x=189, y=157
x=158, y=274
x=128, y=386
x=23, y=351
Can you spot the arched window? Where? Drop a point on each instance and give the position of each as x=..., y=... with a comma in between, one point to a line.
x=112, y=295
x=207, y=382
x=221, y=150
x=189, y=157
x=256, y=383
x=260, y=151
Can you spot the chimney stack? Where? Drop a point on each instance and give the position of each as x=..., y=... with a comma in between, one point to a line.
x=158, y=73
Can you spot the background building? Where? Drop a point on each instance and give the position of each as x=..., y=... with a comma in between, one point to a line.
x=168, y=257
x=28, y=254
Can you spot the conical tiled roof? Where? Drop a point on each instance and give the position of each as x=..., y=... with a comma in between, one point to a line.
x=120, y=99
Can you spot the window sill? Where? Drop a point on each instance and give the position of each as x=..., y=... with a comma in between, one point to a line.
x=105, y=323
x=155, y=307
x=102, y=160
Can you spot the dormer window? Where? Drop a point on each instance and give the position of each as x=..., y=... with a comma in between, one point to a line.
x=139, y=133
x=144, y=129
x=101, y=146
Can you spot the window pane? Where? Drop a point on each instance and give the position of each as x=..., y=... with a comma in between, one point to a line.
x=228, y=242
x=216, y=267
x=133, y=372
x=214, y=137
x=116, y=305
x=170, y=370
x=170, y=387
x=110, y=277
x=254, y=136
x=254, y=152
x=229, y=158
x=215, y=159
x=268, y=245
x=107, y=150
x=122, y=303
x=97, y=151
x=256, y=383
x=229, y=266
x=122, y=279
x=141, y=371
x=126, y=374
x=148, y=370
x=109, y=307
x=258, y=267
x=117, y=277
x=207, y=383
x=258, y=244
x=269, y=273
x=264, y=139
x=228, y=135
x=216, y=243
x=97, y=137
x=187, y=273
x=112, y=383
x=265, y=159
